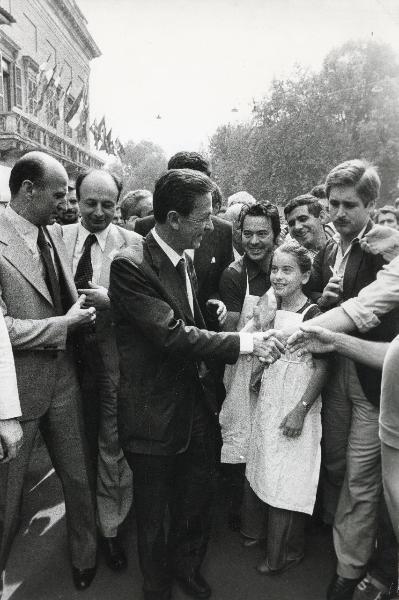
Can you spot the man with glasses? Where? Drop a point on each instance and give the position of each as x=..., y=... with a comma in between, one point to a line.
x=167, y=393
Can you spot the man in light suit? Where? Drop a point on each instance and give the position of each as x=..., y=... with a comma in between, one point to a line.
x=41, y=309
x=92, y=243
x=166, y=403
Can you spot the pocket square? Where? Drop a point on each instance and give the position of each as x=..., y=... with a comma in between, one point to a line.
x=213, y=260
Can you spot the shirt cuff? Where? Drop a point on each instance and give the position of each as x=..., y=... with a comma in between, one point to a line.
x=363, y=317
x=246, y=343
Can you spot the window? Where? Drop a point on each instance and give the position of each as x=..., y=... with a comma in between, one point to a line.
x=31, y=92
x=17, y=86
x=5, y=68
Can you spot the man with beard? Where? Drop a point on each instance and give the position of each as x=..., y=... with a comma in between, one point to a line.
x=68, y=211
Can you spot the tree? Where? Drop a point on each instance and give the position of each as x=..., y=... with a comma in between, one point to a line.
x=311, y=122
x=142, y=164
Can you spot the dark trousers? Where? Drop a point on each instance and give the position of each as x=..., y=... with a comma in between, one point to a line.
x=184, y=484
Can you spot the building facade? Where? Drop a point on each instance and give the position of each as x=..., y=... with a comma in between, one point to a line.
x=32, y=34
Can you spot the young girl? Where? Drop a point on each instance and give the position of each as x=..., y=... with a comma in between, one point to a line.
x=284, y=453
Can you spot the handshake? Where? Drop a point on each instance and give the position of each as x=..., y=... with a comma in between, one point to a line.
x=269, y=345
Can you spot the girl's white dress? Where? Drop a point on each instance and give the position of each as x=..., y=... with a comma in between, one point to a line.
x=284, y=472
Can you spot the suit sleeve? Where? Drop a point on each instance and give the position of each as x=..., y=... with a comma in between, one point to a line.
x=9, y=400
x=35, y=334
x=231, y=291
x=137, y=301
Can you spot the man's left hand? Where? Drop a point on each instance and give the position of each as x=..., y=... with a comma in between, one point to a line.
x=97, y=296
x=220, y=312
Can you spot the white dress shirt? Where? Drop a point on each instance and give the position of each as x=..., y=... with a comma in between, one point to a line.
x=175, y=258
x=246, y=339
x=341, y=258
x=9, y=400
x=96, y=251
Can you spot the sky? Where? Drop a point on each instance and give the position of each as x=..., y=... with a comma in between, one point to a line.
x=193, y=61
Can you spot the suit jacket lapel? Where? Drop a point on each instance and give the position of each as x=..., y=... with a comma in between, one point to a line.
x=355, y=259
x=115, y=241
x=70, y=236
x=203, y=256
x=170, y=280
x=18, y=254
x=65, y=262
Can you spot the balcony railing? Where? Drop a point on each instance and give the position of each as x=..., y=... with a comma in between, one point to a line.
x=37, y=136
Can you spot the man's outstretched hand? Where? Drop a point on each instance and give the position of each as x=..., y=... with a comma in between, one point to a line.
x=267, y=346
x=311, y=338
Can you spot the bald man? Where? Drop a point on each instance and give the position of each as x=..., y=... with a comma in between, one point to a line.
x=41, y=309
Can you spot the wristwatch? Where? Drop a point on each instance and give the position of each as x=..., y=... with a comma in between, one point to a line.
x=306, y=405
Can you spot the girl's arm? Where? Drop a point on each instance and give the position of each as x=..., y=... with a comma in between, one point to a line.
x=292, y=424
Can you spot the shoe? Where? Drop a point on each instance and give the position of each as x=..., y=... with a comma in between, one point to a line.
x=82, y=578
x=195, y=586
x=366, y=590
x=341, y=588
x=264, y=568
x=234, y=521
x=114, y=554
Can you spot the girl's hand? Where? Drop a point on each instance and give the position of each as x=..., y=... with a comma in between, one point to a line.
x=292, y=424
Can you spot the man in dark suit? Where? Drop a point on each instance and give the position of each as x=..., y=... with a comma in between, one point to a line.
x=216, y=251
x=41, y=308
x=166, y=396
x=351, y=403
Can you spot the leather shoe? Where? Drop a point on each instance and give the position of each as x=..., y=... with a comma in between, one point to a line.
x=114, y=554
x=341, y=588
x=194, y=585
x=82, y=578
x=265, y=569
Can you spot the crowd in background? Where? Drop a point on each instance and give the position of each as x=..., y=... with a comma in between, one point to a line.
x=166, y=340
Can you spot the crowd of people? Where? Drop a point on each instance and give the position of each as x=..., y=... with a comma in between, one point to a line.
x=160, y=342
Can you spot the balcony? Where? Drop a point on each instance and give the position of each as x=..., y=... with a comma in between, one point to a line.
x=20, y=133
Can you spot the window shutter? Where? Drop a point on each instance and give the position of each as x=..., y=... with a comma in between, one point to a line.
x=18, y=86
x=1, y=84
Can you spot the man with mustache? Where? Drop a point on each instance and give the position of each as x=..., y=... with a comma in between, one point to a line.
x=351, y=451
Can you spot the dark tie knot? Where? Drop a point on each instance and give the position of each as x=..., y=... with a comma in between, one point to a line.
x=90, y=240
x=42, y=240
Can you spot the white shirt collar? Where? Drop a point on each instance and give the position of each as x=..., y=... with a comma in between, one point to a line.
x=337, y=237
x=173, y=256
x=26, y=230
x=100, y=235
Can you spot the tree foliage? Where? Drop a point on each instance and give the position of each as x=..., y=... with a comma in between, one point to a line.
x=142, y=164
x=310, y=122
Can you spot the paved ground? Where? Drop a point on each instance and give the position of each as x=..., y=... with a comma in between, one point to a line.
x=38, y=568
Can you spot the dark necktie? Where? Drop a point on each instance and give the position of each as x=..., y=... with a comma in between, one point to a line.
x=84, y=270
x=50, y=274
x=181, y=269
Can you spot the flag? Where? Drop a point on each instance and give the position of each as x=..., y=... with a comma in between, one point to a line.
x=42, y=69
x=109, y=147
x=102, y=133
x=95, y=129
x=73, y=116
x=119, y=148
x=84, y=115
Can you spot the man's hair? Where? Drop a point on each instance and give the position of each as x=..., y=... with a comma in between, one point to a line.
x=262, y=209
x=82, y=176
x=388, y=209
x=190, y=160
x=27, y=167
x=319, y=191
x=130, y=202
x=241, y=198
x=178, y=190
x=357, y=173
x=300, y=254
x=314, y=206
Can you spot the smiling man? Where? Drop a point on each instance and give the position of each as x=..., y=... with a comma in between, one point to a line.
x=167, y=393
x=91, y=245
x=304, y=215
x=352, y=460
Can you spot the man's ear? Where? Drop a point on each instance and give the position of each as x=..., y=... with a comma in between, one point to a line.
x=305, y=277
x=27, y=187
x=172, y=218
